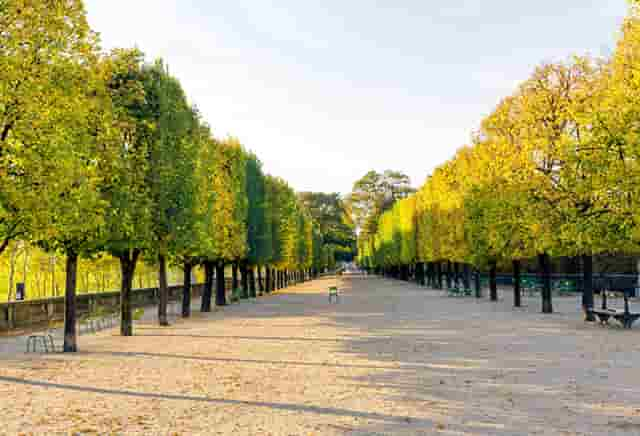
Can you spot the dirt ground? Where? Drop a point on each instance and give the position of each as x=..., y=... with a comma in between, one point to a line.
x=389, y=358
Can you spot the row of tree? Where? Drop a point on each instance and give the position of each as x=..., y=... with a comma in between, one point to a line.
x=103, y=153
x=554, y=170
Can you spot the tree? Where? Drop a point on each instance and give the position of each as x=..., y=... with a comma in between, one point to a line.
x=171, y=154
x=129, y=214
x=227, y=210
x=44, y=49
x=55, y=135
x=374, y=193
x=259, y=226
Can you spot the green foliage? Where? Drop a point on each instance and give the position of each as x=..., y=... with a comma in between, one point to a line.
x=259, y=227
x=552, y=170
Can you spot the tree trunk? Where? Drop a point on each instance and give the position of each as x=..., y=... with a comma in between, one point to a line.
x=456, y=274
x=221, y=297
x=244, y=280
x=260, y=283
x=449, y=273
x=420, y=274
x=439, y=274
x=493, y=284
x=234, y=276
x=70, y=338
x=12, y=270
x=478, y=284
x=164, y=291
x=267, y=279
x=252, y=282
x=638, y=272
x=128, y=263
x=545, y=270
x=517, y=300
x=186, y=290
x=466, y=277
x=587, y=291
x=205, y=302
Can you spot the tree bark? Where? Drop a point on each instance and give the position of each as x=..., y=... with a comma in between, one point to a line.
x=587, y=291
x=164, y=291
x=456, y=274
x=420, y=274
x=234, y=276
x=545, y=270
x=267, y=279
x=205, y=303
x=128, y=263
x=517, y=294
x=244, y=280
x=260, y=283
x=70, y=338
x=186, y=290
x=493, y=284
x=252, y=282
x=221, y=297
x=466, y=277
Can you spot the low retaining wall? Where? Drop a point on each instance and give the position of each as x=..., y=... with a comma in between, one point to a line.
x=32, y=313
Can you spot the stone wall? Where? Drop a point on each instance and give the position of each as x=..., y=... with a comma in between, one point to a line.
x=34, y=313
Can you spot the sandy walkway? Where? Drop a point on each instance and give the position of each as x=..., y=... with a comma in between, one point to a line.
x=391, y=358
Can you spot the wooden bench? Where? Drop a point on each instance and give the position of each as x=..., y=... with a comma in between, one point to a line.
x=333, y=293
x=624, y=317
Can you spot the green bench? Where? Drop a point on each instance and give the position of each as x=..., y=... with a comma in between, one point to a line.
x=565, y=287
x=333, y=294
x=530, y=285
x=458, y=291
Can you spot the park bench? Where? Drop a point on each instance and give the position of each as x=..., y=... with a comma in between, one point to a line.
x=236, y=296
x=530, y=285
x=625, y=317
x=565, y=287
x=45, y=339
x=333, y=294
x=459, y=291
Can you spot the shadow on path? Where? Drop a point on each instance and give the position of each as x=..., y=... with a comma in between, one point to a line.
x=270, y=405
x=255, y=361
x=249, y=338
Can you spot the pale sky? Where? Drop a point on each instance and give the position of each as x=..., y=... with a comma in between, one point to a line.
x=325, y=90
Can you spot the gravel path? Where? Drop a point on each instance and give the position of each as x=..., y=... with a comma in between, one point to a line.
x=390, y=358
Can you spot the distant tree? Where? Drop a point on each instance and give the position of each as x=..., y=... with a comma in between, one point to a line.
x=376, y=192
